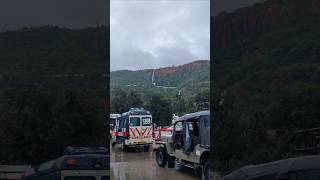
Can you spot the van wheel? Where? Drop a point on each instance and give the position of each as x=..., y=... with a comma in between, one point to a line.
x=161, y=157
x=123, y=146
x=171, y=162
x=206, y=171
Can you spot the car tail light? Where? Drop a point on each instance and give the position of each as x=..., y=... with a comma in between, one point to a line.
x=71, y=162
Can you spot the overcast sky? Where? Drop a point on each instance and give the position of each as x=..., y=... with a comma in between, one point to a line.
x=15, y=14
x=158, y=33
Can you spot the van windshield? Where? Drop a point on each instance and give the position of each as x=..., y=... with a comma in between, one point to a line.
x=135, y=121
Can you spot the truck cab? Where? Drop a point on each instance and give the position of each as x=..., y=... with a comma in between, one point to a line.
x=189, y=144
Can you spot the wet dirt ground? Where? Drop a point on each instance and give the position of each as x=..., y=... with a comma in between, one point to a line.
x=139, y=165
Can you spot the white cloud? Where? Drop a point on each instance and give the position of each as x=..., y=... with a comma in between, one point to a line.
x=150, y=34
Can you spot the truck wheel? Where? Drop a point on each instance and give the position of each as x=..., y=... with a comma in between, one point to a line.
x=161, y=157
x=171, y=162
x=123, y=146
x=206, y=171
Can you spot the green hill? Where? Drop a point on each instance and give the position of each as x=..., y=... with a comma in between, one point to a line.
x=266, y=79
x=53, y=86
x=183, y=76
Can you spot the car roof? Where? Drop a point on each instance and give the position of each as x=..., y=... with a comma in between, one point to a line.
x=278, y=168
x=193, y=115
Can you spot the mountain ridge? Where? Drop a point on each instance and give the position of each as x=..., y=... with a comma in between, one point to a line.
x=166, y=76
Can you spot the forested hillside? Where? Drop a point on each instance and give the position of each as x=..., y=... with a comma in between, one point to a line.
x=266, y=80
x=53, y=91
x=178, y=89
x=194, y=73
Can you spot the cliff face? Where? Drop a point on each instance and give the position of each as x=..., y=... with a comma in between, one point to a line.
x=266, y=77
x=235, y=29
x=197, y=71
x=183, y=69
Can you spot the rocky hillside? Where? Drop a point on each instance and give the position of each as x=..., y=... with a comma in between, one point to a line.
x=196, y=72
x=246, y=24
x=266, y=70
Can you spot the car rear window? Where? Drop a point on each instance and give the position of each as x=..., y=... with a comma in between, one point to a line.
x=135, y=121
x=146, y=121
x=80, y=178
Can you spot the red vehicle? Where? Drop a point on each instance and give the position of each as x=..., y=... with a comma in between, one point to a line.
x=166, y=131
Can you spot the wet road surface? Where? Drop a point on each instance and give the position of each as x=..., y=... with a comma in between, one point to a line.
x=139, y=165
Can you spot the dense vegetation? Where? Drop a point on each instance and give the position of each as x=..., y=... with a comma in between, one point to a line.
x=134, y=89
x=266, y=87
x=53, y=92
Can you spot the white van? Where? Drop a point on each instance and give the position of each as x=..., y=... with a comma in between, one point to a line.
x=134, y=128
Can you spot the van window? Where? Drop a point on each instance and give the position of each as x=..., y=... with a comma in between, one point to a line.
x=80, y=178
x=135, y=121
x=146, y=121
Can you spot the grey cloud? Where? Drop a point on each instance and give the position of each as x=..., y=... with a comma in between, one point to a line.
x=164, y=33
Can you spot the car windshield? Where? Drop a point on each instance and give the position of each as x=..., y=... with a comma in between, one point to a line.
x=146, y=121
x=135, y=121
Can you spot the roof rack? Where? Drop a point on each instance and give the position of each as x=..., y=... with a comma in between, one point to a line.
x=84, y=150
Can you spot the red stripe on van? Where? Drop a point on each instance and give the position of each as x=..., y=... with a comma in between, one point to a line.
x=132, y=132
x=138, y=131
x=148, y=130
x=144, y=131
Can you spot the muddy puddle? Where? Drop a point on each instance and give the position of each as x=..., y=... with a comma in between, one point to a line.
x=139, y=165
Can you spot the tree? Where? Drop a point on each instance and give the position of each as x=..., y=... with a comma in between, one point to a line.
x=122, y=101
x=160, y=109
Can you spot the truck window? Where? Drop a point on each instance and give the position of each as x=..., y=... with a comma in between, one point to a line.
x=135, y=121
x=80, y=178
x=146, y=121
x=178, y=126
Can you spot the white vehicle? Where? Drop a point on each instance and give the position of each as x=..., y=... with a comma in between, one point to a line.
x=112, y=121
x=134, y=128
